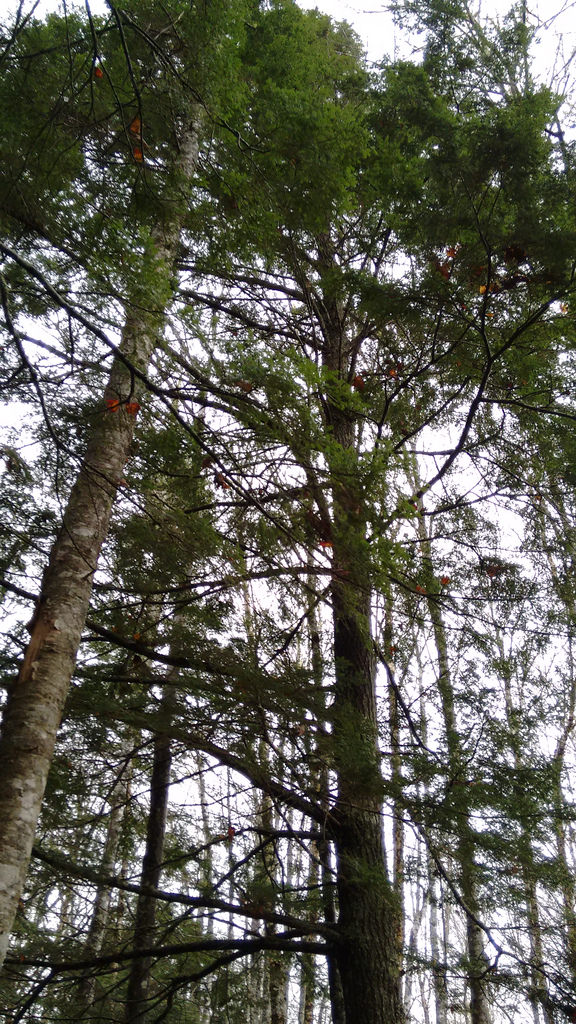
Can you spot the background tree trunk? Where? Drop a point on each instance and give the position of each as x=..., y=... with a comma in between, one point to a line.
x=101, y=910
x=145, y=923
x=457, y=766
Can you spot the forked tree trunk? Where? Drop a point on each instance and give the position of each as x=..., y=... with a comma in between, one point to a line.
x=34, y=710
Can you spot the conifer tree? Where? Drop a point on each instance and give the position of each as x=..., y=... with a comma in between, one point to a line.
x=164, y=167
x=373, y=284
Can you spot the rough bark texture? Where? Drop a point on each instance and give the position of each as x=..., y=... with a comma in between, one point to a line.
x=34, y=710
x=398, y=858
x=368, y=957
x=277, y=984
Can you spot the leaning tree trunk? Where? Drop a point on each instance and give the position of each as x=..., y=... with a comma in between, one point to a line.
x=33, y=713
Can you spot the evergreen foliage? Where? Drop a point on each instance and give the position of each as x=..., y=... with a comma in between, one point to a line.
x=332, y=621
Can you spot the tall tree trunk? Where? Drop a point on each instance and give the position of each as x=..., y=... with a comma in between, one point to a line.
x=34, y=709
x=418, y=909
x=524, y=847
x=437, y=951
x=277, y=963
x=368, y=956
x=566, y=544
x=465, y=841
x=396, y=779
x=101, y=909
x=145, y=923
x=436, y=902
x=323, y=844
x=338, y=1011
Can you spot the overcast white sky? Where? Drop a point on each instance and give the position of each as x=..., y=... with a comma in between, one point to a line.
x=375, y=27
x=372, y=22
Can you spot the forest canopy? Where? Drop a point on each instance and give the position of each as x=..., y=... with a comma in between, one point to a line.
x=288, y=528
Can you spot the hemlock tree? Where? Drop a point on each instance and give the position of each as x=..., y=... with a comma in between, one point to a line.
x=374, y=277
x=448, y=186
x=76, y=137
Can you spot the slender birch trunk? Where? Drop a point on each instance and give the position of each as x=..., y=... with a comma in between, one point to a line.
x=34, y=710
x=396, y=779
x=437, y=951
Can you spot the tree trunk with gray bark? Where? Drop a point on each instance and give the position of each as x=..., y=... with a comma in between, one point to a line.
x=34, y=709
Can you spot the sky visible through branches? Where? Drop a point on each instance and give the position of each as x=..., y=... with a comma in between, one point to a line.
x=301, y=362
